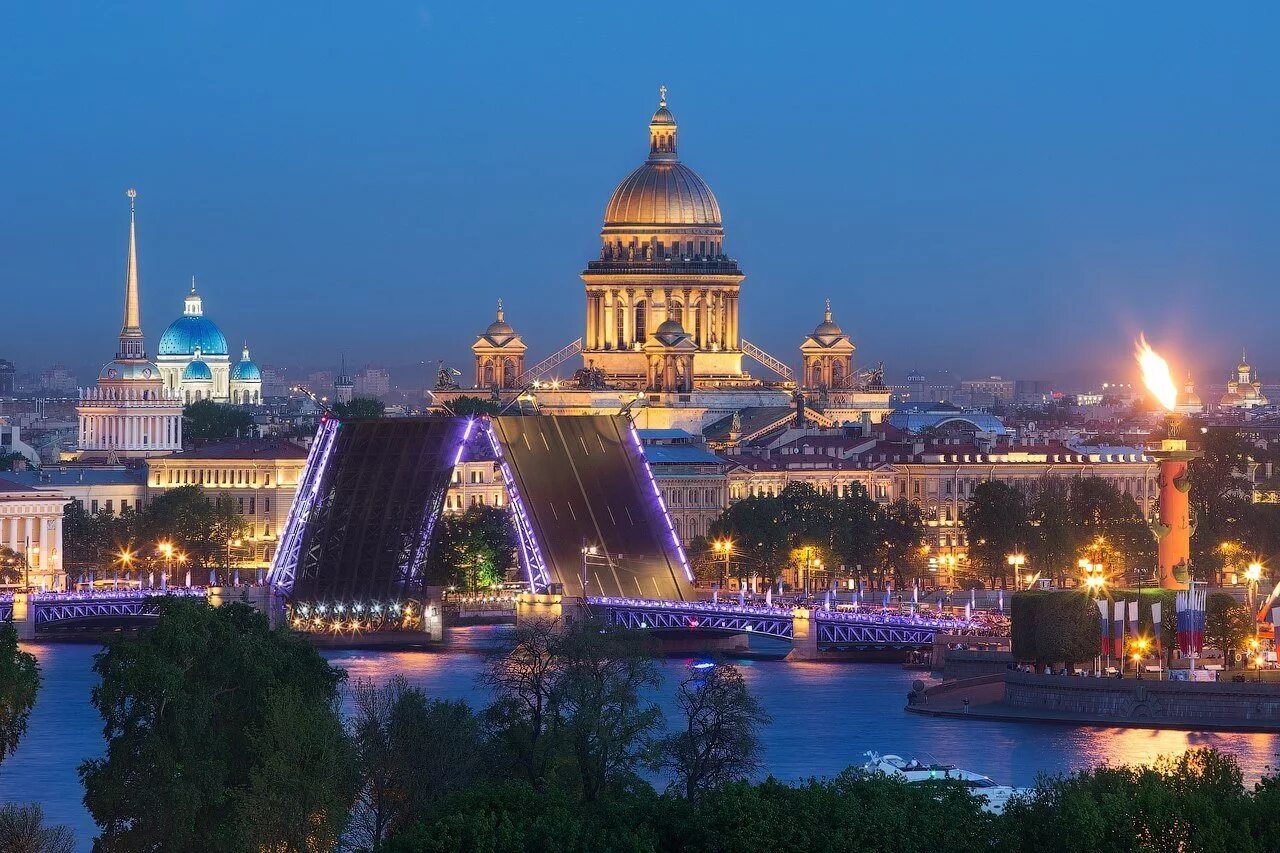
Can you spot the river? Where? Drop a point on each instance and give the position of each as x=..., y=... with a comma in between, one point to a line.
x=825, y=716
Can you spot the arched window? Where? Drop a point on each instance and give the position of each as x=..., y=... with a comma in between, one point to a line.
x=621, y=332
x=676, y=312
x=837, y=375
x=488, y=374
x=508, y=373
x=642, y=314
x=815, y=379
x=697, y=320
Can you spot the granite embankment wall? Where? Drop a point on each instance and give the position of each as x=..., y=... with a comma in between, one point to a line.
x=1173, y=702
x=965, y=663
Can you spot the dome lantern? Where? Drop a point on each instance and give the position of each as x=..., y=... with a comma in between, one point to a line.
x=662, y=131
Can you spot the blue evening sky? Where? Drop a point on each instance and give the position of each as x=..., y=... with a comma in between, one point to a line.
x=985, y=187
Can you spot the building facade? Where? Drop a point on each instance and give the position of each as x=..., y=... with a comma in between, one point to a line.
x=1244, y=390
x=195, y=362
x=31, y=527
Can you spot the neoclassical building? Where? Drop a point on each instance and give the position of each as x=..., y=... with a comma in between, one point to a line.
x=130, y=413
x=499, y=355
x=1244, y=391
x=195, y=361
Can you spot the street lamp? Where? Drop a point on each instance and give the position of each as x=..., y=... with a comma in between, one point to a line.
x=1253, y=574
x=724, y=546
x=1016, y=561
x=587, y=551
x=166, y=551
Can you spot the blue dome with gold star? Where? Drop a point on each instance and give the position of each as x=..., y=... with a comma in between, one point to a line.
x=193, y=331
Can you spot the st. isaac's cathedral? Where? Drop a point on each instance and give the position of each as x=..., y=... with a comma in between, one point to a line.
x=662, y=336
x=135, y=409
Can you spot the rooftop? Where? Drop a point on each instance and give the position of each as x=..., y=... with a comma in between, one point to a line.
x=243, y=448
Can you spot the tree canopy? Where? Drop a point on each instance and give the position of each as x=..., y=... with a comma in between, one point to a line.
x=360, y=407
x=206, y=420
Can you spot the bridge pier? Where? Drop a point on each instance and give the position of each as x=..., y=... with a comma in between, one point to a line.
x=696, y=642
x=24, y=616
x=433, y=614
x=804, y=635
x=549, y=607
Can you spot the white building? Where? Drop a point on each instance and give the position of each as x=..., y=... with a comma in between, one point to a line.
x=31, y=526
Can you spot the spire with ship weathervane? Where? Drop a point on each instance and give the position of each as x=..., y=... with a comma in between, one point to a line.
x=132, y=344
x=662, y=131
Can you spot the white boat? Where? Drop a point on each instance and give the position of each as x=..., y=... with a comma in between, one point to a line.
x=994, y=796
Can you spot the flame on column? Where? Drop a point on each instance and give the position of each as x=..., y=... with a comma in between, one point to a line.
x=1156, y=375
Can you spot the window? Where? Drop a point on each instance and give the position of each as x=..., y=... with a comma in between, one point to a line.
x=252, y=509
x=266, y=506
x=110, y=508
x=93, y=506
x=642, y=314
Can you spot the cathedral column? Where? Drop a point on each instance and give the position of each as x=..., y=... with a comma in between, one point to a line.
x=589, y=341
x=704, y=311
x=731, y=321
x=610, y=321
x=628, y=319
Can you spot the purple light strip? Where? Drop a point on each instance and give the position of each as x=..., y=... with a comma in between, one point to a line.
x=535, y=566
x=666, y=517
x=285, y=563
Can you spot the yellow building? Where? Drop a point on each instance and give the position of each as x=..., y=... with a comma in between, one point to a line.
x=31, y=527
x=261, y=476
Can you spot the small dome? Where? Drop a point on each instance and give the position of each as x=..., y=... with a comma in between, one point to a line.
x=670, y=327
x=129, y=371
x=197, y=371
x=245, y=371
x=187, y=333
x=827, y=327
x=663, y=115
x=499, y=328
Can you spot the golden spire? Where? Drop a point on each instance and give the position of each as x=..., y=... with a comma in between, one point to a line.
x=132, y=346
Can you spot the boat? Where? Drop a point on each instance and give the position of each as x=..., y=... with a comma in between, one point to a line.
x=994, y=796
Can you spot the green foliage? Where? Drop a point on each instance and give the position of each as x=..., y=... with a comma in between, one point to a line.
x=468, y=406
x=997, y=521
x=476, y=549
x=19, y=684
x=1193, y=802
x=761, y=541
x=1228, y=624
x=221, y=735
x=412, y=753
x=720, y=740
x=360, y=407
x=205, y=420
x=1058, y=626
x=198, y=526
x=12, y=461
x=900, y=528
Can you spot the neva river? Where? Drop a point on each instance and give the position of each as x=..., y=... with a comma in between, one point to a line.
x=825, y=716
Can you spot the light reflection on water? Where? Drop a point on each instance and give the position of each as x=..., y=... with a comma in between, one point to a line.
x=825, y=716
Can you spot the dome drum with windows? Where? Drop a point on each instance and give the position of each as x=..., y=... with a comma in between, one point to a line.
x=195, y=361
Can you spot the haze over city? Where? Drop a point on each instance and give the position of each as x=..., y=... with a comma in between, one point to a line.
x=1018, y=192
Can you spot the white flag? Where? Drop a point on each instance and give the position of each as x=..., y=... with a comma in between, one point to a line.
x=1102, y=607
x=1155, y=613
x=1119, y=612
x=1133, y=611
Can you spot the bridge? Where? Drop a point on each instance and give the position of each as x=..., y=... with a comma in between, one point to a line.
x=32, y=612
x=813, y=632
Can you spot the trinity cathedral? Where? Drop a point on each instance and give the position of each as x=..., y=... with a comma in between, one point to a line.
x=662, y=336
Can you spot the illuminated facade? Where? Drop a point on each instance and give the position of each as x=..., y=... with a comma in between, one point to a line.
x=130, y=413
x=31, y=526
x=499, y=355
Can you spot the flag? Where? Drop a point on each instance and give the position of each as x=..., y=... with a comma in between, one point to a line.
x=1155, y=617
x=1133, y=618
x=968, y=612
x=1002, y=601
x=1118, y=618
x=1106, y=626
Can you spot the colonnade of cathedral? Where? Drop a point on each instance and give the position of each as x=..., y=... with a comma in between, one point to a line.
x=621, y=318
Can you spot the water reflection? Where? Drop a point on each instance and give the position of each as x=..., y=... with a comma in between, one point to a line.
x=825, y=716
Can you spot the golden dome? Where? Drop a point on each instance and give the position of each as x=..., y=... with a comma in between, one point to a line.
x=662, y=194
x=663, y=191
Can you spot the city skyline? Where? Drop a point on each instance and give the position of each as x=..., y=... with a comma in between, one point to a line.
x=1017, y=243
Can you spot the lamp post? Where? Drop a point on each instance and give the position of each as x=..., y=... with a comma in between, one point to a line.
x=1016, y=561
x=724, y=546
x=587, y=551
x=166, y=550
x=1253, y=574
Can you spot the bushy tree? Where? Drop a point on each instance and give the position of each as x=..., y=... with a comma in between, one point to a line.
x=475, y=549
x=19, y=684
x=221, y=735
x=412, y=752
x=997, y=522
x=195, y=524
x=901, y=533
x=468, y=406
x=522, y=719
x=360, y=407
x=205, y=420
x=720, y=741
x=23, y=830
x=1228, y=625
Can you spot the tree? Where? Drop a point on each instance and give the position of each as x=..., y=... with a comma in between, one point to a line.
x=1054, y=538
x=1219, y=499
x=522, y=718
x=96, y=540
x=901, y=532
x=205, y=420
x=19, y=684
x=720, y=741
x=607, y=728
x=412, y=753
x=1228, y=625
x=477, y=548
x=467, y=406
x=23, y=830
x=221, y=735
x=854, y=531
x=759, y=533
x=360, y=407
x=998, y=524
x=198, y=527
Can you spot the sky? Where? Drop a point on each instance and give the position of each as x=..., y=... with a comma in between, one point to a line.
x=1003, y=188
